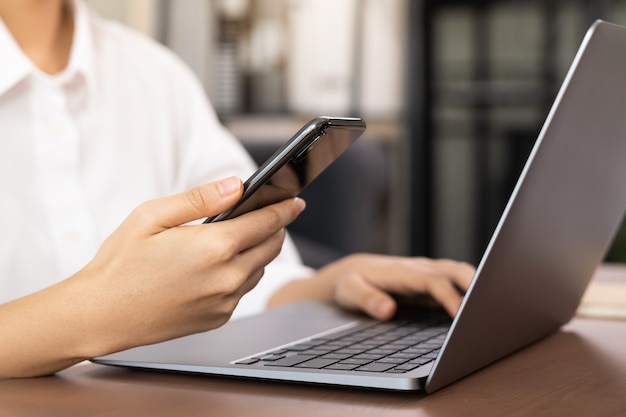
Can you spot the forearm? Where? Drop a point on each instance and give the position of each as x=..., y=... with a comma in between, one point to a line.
x=300, y=290
x=47, y=331
x=321, y=286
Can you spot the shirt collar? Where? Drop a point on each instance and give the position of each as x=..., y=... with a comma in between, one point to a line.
x=16, y=65
x=82, y=59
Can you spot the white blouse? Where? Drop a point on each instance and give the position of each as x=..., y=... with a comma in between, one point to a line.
x=125, y=122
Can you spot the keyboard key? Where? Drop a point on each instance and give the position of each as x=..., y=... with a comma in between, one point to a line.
x=375, y=367
x=317, y=363
x=369, y=356
x=316, y=352
x=289, y=360
x=417, y=351
x=407, y=367
x=349, y=351
x=271, y=357
x=402, y=355
x=335, y=355
x=356, y=361
x=342, y=367
x=249, y=361
x=431, y=355
x=381, y=351
x=420, y=361
x=395, y=361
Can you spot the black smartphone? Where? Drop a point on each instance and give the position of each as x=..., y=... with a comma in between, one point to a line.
x=296, y=163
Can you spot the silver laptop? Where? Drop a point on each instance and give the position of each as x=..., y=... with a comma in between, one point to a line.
x=561, y=218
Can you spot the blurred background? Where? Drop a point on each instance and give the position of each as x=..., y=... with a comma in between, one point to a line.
x=454, y=94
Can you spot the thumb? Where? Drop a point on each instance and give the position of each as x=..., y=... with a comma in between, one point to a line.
x=198, y=202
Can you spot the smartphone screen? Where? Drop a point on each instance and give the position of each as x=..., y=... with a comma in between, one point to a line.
x=297, y=163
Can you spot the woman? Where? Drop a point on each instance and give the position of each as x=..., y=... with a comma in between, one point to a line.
x=94, y=120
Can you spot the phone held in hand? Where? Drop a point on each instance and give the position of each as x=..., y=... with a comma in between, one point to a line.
x=296, y=163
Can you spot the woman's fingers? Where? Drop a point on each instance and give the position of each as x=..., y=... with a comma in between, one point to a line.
x=366, y=282
x=259, y=225
x=357, y=293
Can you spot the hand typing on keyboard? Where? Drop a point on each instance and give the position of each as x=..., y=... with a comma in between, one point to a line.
x=368, y=283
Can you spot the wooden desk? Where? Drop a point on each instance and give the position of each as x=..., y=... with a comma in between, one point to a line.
x=579, y=371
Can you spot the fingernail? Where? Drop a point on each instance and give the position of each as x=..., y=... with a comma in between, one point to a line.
x=229, y=186
x=300, y=203
x=384, y=308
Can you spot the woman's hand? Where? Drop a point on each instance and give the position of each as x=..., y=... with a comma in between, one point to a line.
x=367, y=282
x=155, y=278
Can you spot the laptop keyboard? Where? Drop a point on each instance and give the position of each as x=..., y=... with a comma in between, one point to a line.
x=392, y=347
